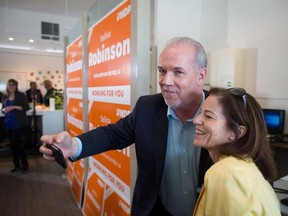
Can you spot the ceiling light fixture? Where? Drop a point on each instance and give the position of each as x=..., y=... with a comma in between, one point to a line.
x=31, y=40
x=11, y=38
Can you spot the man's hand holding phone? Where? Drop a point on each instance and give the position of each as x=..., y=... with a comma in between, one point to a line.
x=58, y=155
x=62, y=145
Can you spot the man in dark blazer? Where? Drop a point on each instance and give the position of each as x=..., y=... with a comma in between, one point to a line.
x=152, y=126
x=34, y=94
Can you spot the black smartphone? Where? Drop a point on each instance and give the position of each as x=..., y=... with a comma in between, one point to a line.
x=57, y=153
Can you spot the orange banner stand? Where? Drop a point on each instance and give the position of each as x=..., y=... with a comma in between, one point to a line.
x=74, y=88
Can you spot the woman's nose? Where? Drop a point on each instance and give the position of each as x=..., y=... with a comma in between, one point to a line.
x=197, y=120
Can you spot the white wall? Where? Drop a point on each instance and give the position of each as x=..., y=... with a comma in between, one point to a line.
x=20, y=62
x=177, y=18
x=259, y=26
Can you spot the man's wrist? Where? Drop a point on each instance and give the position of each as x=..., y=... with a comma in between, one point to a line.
x=76, y=147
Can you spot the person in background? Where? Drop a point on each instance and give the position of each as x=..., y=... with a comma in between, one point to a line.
x=1, y=95
x=232, y=128
x=170, y=167
x=2, y=129
x=15, y=105
x=34, y=93
x=50, y=90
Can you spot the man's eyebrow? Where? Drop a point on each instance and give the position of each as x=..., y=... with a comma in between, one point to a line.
x=177, y=68
x=174, y=68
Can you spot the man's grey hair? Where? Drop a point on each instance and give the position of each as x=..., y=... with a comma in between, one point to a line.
x=201, y=58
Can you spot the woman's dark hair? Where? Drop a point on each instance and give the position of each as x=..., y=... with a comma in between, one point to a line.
x=247, y=112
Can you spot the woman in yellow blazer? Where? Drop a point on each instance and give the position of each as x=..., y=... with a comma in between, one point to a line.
x=231, y=127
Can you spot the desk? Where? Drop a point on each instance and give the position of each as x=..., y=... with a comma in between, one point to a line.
x=280, y=150
x=52, y=121
x=49, y=121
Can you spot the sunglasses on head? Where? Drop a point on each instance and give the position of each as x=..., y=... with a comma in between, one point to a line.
x=239, y=92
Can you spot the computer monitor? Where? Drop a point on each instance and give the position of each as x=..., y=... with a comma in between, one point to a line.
x=275, y=121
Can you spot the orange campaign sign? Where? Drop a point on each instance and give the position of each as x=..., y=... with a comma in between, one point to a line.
x=74, y=64
x=108, y=187
x=75, y=171
x=104, y=195
x=94, y=195
x=109, y=49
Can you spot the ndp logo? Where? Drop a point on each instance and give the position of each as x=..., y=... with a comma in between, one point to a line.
x=122, y=14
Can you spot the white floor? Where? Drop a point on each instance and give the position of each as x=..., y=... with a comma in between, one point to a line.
x=282, y=184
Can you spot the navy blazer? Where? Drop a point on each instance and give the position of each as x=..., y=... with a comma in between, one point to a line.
x=147, y=127
x=30, y=94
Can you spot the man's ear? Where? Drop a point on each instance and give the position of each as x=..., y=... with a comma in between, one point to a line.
x=242, y=131
x=202, y=76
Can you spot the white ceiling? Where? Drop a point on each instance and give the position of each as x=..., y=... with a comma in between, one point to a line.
x=69, y=9
x=74, y=8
